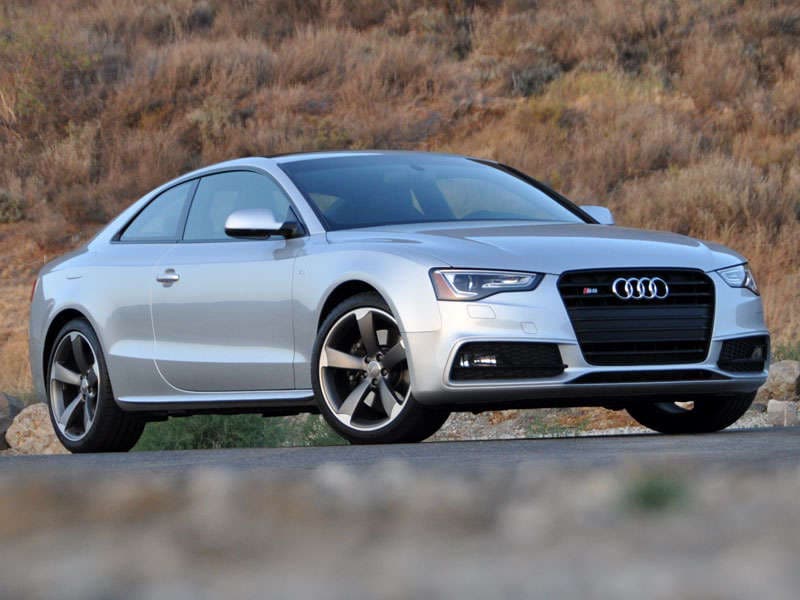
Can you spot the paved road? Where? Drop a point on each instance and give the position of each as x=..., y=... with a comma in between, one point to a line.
x=752, y=448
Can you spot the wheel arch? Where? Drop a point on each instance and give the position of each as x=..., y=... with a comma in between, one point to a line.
x=342, y=292
x=61, y=319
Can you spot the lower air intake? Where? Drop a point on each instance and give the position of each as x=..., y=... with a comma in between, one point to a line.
x=742, y=355
x=506, y=360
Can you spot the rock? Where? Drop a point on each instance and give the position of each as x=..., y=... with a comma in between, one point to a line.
x=783, y=382
x=9, y=408
x=32, y=432
x=782, y=413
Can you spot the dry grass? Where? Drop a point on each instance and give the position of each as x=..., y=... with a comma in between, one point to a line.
x=681, y=116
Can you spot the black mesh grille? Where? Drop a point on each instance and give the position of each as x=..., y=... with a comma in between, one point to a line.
x=513, y=360
x=744, y=354
x=612, y=331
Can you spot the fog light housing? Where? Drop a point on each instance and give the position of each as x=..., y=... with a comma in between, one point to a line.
x=747, y=354
x=506, y=360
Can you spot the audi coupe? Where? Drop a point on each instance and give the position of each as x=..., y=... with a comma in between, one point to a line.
x=386, y=290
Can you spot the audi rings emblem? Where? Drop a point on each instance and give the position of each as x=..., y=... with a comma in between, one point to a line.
x=640, y=288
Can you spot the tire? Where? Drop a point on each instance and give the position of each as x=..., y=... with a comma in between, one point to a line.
x=77, y=380
x=708, y=414
x=433, y=421
x=351, y=376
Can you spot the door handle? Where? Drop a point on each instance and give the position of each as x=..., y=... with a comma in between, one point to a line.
x=168, y=277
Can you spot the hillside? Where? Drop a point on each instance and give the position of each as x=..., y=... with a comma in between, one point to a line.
x=682, y=116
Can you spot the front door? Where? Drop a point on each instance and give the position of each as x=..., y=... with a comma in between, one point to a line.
x=222, y=308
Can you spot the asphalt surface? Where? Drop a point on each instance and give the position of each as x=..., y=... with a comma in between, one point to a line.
x=746, y=448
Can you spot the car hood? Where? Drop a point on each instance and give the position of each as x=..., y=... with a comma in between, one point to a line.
x=546, y=247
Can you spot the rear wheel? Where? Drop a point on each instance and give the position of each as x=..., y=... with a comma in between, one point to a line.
x=82, y=408
x=702, y=414
x=361, y=376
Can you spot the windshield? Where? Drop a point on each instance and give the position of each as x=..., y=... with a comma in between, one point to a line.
x=371, y=190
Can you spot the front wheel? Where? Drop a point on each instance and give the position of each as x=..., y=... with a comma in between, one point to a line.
x=702, y=414
x=82, y=408
x=361, y=376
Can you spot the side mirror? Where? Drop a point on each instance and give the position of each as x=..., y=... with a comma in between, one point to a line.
x=600, y=214
x=259, y=224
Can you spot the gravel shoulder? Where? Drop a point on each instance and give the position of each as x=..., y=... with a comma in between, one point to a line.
x=559, y=423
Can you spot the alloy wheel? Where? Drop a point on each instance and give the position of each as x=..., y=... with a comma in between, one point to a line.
x=74, y=385
x=363, y=369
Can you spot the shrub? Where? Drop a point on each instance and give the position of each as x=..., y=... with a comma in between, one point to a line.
x=12, y=208
x=789, y=351
x=237, y=431
x=532, y=74
x=722, y=76
x=656, y=493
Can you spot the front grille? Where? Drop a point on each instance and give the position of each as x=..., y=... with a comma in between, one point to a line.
x=744, y=354
x=612, y=331
x=506, y=360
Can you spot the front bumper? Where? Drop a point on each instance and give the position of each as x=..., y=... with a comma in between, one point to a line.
x=540, y=316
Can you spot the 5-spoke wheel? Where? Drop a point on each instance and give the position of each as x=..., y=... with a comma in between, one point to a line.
x=363, y=369
x=74, y=385
x=85, y=416
x=362, y=376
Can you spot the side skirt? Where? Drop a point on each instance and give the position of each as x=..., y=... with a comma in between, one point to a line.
x=274, y=402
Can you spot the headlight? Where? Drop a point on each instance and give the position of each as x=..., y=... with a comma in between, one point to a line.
x=739, y=276
x=462, y=284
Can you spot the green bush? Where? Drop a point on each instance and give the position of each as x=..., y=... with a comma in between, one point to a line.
x=786, y=352
x=12, y=209
x=237, y=431
x=656, y=492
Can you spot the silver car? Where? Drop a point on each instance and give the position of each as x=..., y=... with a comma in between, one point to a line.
x=385, y=290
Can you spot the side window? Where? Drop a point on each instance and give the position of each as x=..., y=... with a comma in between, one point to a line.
x=160, y=219
x=219, y=195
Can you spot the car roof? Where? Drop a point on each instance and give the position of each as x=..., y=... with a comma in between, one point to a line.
x=298, y=156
